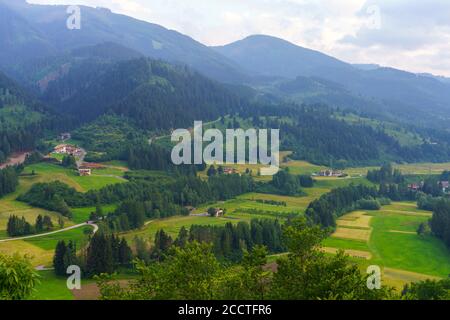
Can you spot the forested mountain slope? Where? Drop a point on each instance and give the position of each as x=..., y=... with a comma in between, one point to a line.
x=155, y=94
x=42, y=32
x=410, y=97
x=22, y=119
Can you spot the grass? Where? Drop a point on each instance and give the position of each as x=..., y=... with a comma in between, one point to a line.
x=173, y=225
x=49, y=242
x=118, y=164
x=403, y=136
x=46, y=172
x=409, y=169
x=9, y=205
x=81, y=215
x=302, y=167
x=404, y=251
x=346, y=244
x=41, y=250
x=395, y=245
x=51, y=287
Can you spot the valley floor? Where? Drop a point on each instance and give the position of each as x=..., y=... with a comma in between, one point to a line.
x=386, y=238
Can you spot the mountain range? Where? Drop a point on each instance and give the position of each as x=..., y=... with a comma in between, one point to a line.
x=39, y=49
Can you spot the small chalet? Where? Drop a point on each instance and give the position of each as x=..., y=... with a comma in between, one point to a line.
x=219, y=212
x=65, y=136
x=445, y=185
x=84, y=172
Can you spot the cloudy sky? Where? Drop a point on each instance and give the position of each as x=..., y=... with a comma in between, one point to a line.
x=408, y=34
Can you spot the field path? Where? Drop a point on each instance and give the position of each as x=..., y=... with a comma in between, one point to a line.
x=53, y=232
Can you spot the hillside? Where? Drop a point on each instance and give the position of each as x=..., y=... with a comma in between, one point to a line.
x=155, y=94
x=22, y=119
x=406, y=96
x=275, y=57
x=42, y=33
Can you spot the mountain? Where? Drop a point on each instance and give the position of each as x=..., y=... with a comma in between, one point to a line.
x=408, y=96
x=365, y=66
x=155, y=94
x=36, y=74
x=270, y=56
x=19, y=39
x=28, y=31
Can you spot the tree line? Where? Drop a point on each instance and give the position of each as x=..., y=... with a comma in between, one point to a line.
x=20, y=227
x=141, y=198
x=440, y=221
x=325, y=210
x=105, y=254
x=229, y=242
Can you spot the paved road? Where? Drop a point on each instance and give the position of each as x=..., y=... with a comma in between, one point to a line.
x=53, y=232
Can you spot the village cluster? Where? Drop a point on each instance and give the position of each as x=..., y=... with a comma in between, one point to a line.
x=445, y=185
x=330, y=173
x=84, y=168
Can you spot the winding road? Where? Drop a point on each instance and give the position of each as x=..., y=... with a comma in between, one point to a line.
x=53, y=232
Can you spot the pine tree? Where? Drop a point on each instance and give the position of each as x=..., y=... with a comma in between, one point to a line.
x=99, y=255
x=58, y=258
x=183, y=237
x=39, y=224
x=47, y=223
x=125, y=253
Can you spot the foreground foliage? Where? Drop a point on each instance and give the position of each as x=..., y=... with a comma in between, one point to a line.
x=17, y=277
x=193, y=272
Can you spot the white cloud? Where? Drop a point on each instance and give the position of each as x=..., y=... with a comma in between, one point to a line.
x=413, y=34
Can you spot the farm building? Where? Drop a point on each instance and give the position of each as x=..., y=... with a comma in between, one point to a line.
x=445, y=185
x=216, y=212
x=65, y=136
x=83, y=172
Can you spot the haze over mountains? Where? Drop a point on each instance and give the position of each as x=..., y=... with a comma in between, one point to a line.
x=38, y=49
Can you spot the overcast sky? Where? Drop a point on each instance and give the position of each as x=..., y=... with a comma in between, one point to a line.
x=408, y=34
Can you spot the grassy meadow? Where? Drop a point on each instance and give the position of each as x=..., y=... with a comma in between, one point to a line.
x=394, y=244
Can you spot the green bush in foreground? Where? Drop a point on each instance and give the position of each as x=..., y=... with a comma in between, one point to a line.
x=17, y=277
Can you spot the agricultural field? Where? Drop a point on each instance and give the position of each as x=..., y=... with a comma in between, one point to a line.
x=51, y=172
x=388, y=238
x=407, y=169
x=41, y=249
x=244, y=208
